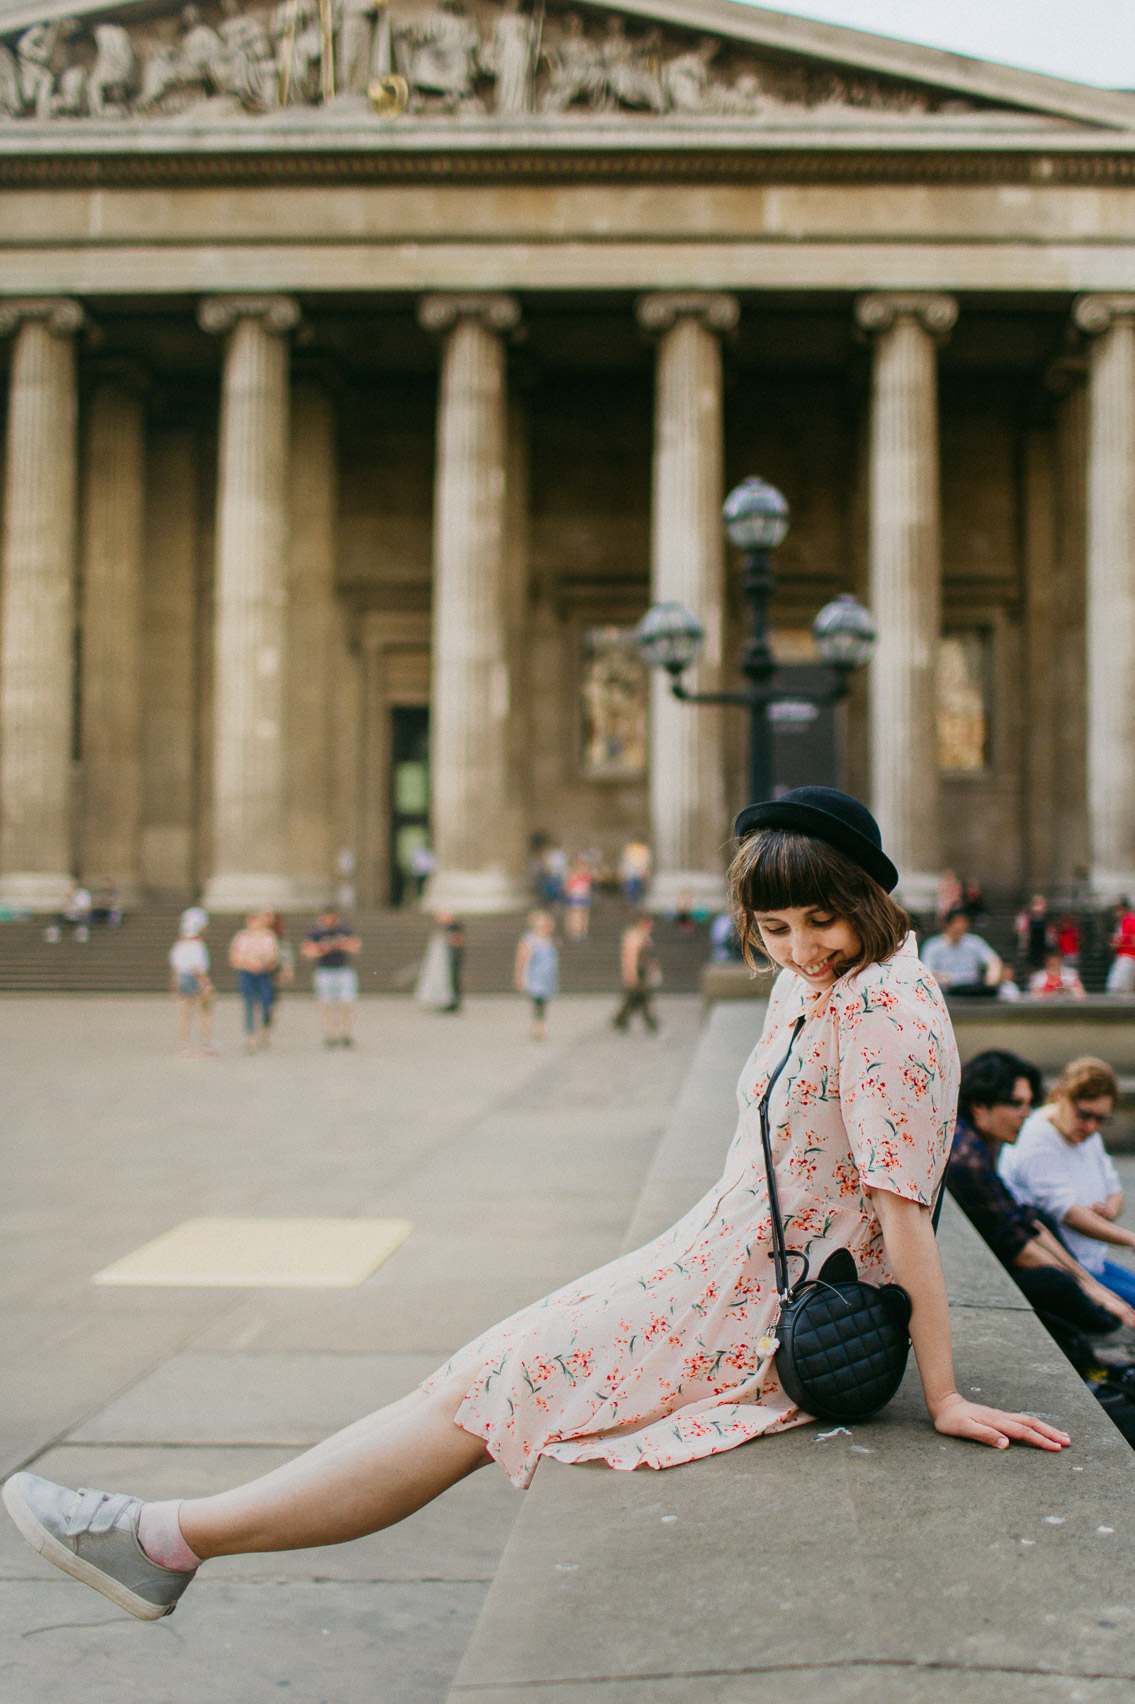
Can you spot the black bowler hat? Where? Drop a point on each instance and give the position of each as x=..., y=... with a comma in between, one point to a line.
x=825, y=814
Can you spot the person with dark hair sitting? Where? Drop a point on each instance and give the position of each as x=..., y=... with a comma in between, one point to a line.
x=996, y=1095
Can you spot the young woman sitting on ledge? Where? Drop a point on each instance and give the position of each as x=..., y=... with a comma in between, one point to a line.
x=667, y=1354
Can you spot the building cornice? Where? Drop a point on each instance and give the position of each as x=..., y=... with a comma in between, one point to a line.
x=769, y=162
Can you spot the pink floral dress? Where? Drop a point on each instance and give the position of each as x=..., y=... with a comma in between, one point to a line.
x=666, y=1354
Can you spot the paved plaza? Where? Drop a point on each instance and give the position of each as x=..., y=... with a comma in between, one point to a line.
x=518, y=1165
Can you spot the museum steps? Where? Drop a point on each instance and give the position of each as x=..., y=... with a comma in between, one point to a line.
x=133, y=958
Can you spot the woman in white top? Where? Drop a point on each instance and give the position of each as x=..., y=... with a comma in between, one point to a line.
x=189, y=976
x=1059, y=1163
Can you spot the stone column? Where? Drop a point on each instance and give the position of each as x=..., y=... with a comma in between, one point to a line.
x=1110, y=321
x=905, y=595
x=479, y=863
x=372, y=874
x=169, y=666
x=38, y=632
x=250, y=849
x=689, y=821
x=313, y=622
x=111, y=624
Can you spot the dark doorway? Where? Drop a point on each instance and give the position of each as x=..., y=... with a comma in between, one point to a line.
x=409, y=798
x=805, y=737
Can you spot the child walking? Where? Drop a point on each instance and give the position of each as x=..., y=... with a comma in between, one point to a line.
x=537, y=971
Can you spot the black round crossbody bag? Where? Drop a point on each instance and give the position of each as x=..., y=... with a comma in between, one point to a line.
x=843, y=1344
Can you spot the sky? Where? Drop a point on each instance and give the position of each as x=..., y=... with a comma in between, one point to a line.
x=1087, y=41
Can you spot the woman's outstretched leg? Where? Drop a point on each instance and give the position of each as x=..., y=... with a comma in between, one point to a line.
x=358, y=1481
x=143, y=1556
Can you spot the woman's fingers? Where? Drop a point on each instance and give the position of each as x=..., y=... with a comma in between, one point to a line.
x=997, y=1429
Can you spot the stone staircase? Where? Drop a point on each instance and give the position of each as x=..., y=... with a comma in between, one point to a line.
x=132, y=958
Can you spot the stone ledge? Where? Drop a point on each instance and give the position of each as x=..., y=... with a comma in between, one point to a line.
x=887, y=1563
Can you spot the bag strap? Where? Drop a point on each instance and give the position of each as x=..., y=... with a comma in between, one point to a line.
x=779, y=1251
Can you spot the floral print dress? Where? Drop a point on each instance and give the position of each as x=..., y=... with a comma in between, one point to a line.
x=666, y=1355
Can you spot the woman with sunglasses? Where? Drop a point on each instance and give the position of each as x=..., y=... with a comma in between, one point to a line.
x=1059, y=1163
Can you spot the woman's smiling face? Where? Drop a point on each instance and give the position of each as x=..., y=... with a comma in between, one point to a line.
x=810, y=941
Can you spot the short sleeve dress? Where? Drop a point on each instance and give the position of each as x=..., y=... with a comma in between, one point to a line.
x=666, y=1354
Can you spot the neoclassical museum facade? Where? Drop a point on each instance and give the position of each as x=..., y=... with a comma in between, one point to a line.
x=371, y=367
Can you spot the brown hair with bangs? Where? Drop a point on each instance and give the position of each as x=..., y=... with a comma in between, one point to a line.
x=776, y=869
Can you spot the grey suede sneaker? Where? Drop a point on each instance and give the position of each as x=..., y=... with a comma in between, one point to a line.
x=93, y=1536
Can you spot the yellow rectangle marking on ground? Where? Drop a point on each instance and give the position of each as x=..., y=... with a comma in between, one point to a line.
x=289, y=1254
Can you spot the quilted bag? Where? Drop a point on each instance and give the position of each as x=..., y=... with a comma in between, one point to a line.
x=843, y=1344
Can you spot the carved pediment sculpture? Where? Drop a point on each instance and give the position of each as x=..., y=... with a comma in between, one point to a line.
x=512, y=60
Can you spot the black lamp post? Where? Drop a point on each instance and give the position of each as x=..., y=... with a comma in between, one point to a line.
x=671, y=636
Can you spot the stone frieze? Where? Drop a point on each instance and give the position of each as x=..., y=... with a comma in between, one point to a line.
x=493, y=60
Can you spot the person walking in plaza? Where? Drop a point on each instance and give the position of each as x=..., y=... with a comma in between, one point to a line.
x=1121, y=975
x=963, y=964
x=668, y=1354
x=634, y=870
x=1034, y=932
x=577, y=899
x=1069, y=938
x=1060, y=1165
x=331, y=946
x=284, y=973
x=641, y=973
x=189, y=975
x=254, y=953
x=439, y=983
x=537, y=971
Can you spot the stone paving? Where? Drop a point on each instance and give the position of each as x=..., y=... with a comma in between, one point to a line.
x=518, y=1164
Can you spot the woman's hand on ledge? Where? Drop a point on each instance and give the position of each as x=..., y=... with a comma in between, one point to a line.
x=954, y=1417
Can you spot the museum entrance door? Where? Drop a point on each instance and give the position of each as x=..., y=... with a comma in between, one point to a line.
x=409, y=799
x=805, y=737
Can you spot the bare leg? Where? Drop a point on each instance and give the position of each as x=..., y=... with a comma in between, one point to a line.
x=362, y=1479
x=183, y=1009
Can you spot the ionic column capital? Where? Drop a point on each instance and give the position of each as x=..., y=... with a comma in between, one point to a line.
x=936, y=312
x=664, y=308
x=1094, y=314
x=218, y=314
x=61, y=314
x=496, y=312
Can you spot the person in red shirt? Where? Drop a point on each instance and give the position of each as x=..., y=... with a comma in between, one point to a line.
x=1121, y=976
x=1068, y=940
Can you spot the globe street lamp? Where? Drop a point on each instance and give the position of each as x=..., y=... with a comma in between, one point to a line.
x=672, y=637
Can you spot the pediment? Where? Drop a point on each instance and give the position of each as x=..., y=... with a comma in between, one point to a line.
x=545, y=65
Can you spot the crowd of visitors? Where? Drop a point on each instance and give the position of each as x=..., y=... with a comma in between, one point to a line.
x=1051, y=949
x=264, y=962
